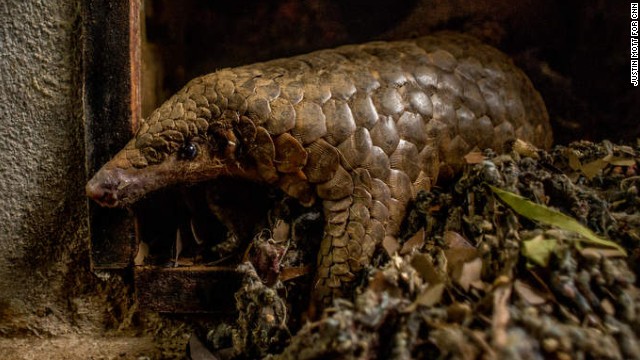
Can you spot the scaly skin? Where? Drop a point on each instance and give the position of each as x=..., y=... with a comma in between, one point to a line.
x=361, y=128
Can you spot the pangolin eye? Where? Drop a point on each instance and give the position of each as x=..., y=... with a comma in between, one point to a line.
x=188, y=151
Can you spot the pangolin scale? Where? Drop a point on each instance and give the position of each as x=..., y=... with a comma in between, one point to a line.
x=360, y=128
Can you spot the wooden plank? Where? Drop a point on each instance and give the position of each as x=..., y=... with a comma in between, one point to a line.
x=187, y=290
x=111, y=62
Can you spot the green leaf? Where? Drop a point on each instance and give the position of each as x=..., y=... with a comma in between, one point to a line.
x=539, y=249
x=545, y=215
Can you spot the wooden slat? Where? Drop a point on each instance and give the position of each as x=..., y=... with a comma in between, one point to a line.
x=111, y=63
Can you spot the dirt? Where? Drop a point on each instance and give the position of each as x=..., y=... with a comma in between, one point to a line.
x=81, y=347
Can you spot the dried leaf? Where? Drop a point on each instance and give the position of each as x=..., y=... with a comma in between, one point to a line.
x=539, y=249
x=430, y=296
x=459, y=312
x=143, y=252
x=500, y=319
x=281, y=231
x=425, y=268
x=178, y=246
x=620, y=161
x=417, y=240
x=545, y=215
x=591, y=169
x=289, y=273
x=525, y=149
x=455, y=240
x=528, y=293
x=379, y=283
x=469, y=273
x=574, y=161
x=459, y=249
x=194, y=232
x=599, y=252
x=390, y=244
x=474, y=157
x=478, y=284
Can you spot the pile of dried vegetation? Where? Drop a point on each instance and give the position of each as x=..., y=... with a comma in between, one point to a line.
x=528, y=255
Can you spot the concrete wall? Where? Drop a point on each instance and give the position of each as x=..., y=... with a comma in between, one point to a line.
x=44, y=248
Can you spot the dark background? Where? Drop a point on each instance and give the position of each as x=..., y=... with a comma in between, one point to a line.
x=576, y=52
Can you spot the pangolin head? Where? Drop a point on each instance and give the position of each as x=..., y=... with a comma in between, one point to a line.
x=186, y=140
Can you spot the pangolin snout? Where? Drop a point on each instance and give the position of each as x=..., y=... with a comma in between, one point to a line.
x=103, y=189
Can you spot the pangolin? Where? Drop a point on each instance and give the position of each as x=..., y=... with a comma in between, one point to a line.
x=359, y=128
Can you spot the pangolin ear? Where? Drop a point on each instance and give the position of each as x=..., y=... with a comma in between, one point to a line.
x=245, y=132
x=217, y=134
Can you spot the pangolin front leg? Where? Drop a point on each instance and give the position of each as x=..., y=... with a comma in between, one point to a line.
x=352, y=232
x=360, y=128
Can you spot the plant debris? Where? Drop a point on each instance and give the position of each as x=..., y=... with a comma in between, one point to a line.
x=528, y=255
